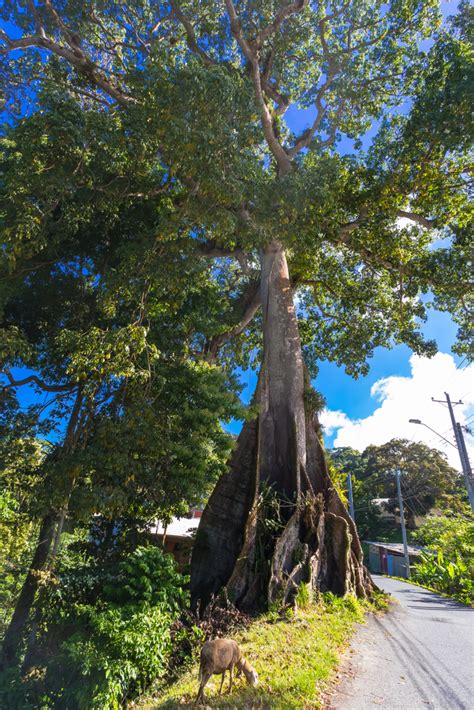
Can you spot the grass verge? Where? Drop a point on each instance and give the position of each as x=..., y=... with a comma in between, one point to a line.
x=295, y=657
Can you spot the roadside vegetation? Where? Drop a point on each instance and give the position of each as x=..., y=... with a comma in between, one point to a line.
x=427, y=482
x=437, y=514
x=105, y=632
x=114, y=625
x=448, y=565
x=295, y=653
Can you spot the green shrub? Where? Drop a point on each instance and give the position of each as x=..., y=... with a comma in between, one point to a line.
x=303, y=597
x=445, y=576
x=449, y=568
x=147, y=575
x=344, y=605
x=453, y=534
x=105, y=634
x=115, y=651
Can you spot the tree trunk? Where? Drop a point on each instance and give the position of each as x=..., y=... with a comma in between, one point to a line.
x=274, y=520
x=16, y=628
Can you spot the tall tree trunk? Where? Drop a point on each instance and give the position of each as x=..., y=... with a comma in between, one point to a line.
x=16, y=627
x=274, y=519
x=282, y=446
x=50, y=523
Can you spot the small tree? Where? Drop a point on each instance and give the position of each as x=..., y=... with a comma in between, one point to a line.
x=449, y=566
x=451, y=534
x=428, y=481
x=134, y=420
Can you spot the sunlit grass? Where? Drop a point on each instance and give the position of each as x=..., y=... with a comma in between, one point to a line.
x=295, y=657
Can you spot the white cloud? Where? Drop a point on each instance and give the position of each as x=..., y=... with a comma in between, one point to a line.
x=333, y=420
x=404, y=398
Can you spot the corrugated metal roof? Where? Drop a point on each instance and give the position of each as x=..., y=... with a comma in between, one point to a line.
x=396, y=547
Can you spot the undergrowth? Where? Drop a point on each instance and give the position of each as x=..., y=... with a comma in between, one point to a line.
x=295, y=654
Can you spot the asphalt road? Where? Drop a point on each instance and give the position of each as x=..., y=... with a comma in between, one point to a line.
x=418, y=655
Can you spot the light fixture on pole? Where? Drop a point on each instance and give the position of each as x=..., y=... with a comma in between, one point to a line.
x=418, y=421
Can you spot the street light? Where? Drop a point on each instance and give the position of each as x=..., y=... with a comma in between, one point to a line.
x=418, y=421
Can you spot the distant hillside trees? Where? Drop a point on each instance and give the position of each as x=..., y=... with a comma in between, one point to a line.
x=427, y=481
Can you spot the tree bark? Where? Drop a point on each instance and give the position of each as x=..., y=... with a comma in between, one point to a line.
x=15, y=630
x=274, y=520
x=282, y=447
x=17, y=627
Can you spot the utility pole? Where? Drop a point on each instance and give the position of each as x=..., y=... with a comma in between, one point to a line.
x=463, y=452
x=351, y=497
x=461, y=447
x=402, y=522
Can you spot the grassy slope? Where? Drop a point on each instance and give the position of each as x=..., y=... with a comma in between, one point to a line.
x=295, y=658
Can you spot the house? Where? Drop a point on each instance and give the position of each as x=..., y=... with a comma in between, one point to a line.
x=382, y=508
x=389, y=557
x=393, y=516
x=177, y=537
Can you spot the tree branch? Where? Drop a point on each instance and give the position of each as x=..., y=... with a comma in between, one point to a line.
x=37, y=381
x=283, y=14
x=253, y=301
x=321, y=111
x=281, y=100
x=271, y=90
x=346, y=229
x=73, y=54
x=315, y=283
x=190, y=34
x=210, y=249
x=72, y=40
x=250, y=52
x=418, y=218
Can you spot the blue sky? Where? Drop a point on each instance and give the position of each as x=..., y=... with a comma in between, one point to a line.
x=343, y=392
x=353, y=397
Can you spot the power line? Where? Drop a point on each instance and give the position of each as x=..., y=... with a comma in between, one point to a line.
x=436, y=433
x=375, y=477
x=421, y=507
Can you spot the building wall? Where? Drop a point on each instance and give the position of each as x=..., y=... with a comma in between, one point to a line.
x=374, y=560
x=399, y=567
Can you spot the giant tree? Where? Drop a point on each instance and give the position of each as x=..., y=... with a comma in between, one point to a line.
x=207, y=87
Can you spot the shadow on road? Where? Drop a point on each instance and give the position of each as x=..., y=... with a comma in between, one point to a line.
x=425, y=670
x=437, y=602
